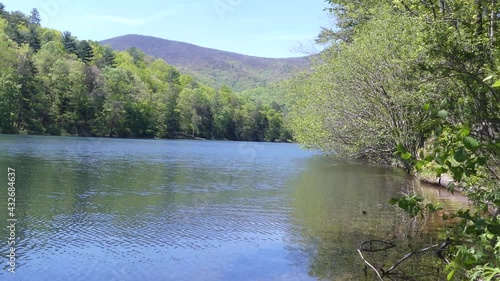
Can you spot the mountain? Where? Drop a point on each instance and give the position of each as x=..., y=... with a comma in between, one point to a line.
x=211, y=66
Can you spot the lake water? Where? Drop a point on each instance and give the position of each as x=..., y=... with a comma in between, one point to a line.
x=113, y=210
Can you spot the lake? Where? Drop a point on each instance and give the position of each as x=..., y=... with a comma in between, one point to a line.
x=111, y=209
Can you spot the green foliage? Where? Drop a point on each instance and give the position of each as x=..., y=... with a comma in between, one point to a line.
x=69, y=42
x=35, y=18
x=414, y=206
x=109, y=57
x=53, y=83
x=399, y=75
x=364, y=98
x=85, y=52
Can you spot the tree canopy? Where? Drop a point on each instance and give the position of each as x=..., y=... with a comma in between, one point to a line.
x=415, y=82
x=52, y=83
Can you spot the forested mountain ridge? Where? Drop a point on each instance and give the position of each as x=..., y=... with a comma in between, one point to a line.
x=211, y=66
x=51, y=83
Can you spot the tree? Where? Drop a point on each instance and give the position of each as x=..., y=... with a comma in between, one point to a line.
x=366, y=98
x=85, y=52
x=27, y=115
x=35, y=18
x=17, y=33
x=69, y=43
x=9, y=86
x=225, y=104
x=196, y=116
x=109, y=57
x=274, y=131
x=409, y=73
x=137, y=55
x=34, y=39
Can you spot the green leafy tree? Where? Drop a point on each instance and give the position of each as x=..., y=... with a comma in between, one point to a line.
x=366, y=98
x=225, y=104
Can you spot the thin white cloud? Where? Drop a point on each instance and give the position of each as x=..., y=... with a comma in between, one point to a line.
x=131, y=21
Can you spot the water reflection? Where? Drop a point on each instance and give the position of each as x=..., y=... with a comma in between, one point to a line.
x=340, y=206
x=97, y=209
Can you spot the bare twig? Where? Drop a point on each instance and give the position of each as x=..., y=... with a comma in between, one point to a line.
x=407, y=256
x=371, y=266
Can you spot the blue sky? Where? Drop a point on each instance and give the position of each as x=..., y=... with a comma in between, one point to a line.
x=268, y=28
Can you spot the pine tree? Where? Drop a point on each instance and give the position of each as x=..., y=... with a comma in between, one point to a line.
x=69, y=42
x=109, y=57
x=2, y=8
x=35, y=17
x=85, y=54
x=34, y=39
x=15, y=34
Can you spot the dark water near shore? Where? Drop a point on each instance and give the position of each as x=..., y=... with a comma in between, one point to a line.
x=104, y=209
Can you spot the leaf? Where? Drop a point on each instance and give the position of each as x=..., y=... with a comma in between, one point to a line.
x=497, y=84
x=481, y=161
x=458, y=173
x=419, y=197
x=401, y=148
x=438, y=131
x=461, y=155
x=494, y=229
x=488, y=78
x=420, y=164
x=465, y=132
x=426, y=107
x=429, y=158
x=406, y=156
x=451, y=274
x=442, y=114
x=441, y=170
x=471, y=143
x=394, y=201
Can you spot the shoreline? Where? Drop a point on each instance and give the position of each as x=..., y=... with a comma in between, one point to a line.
x=151, y=138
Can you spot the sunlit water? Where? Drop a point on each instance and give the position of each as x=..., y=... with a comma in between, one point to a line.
x=104, y=209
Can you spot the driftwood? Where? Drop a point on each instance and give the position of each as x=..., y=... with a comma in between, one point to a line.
x=444, y=181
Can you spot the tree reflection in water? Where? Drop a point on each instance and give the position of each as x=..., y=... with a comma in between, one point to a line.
x=328, y=207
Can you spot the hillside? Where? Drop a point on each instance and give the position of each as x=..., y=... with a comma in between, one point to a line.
x=213, y=67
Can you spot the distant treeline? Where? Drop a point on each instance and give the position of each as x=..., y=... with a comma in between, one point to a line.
x=52, y=83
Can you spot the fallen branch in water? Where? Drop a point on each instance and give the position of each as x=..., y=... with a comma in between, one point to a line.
x=407, y=256
x=369, y=264
x=382, y=246
x=439, y=250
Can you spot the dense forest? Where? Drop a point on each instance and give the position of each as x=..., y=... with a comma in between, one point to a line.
x=415, y=82
x=51, y=83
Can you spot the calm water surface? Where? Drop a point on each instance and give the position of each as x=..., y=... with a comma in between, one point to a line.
x=103, y=209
